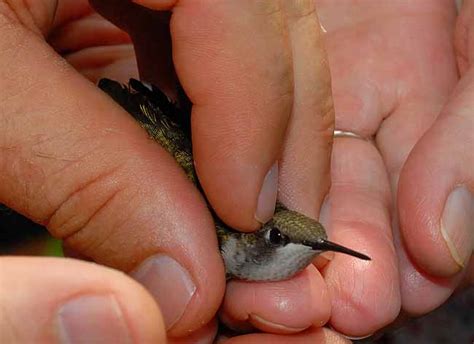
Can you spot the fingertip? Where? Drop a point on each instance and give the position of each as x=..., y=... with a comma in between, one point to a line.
x=241, y=187
x=436, y=209
x=271, y=327
x=456, y=221
x=57, y=300
x=268, y=195
x=240, y=109
x=158, y=5
x=414, y=282
x=169, y=283
x=188, y=297
x=422, y=235
x=313, y=335
x=279, y=307
x=360, y=289
x=364, y=289
x=204, y=335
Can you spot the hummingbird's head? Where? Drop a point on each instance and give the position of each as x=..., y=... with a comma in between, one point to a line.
x=284, y=246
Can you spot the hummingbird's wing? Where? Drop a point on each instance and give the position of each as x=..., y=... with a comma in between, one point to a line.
x=179, y=112
x=132, y=100
x=158, y=115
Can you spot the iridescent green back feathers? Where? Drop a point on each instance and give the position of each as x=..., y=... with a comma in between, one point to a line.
x=158, y=115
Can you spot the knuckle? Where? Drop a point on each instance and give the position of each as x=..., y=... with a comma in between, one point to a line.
x=299, y=9
x=36, y=16
x=268, y=8
x=84, y=208
x=20, y=182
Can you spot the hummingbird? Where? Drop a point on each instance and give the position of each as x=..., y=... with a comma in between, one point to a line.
x=281, y=248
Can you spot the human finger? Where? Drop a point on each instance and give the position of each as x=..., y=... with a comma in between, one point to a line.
x=376, y=96
x=205, y=334
x=437, y=216
x=304, y=182
x=278, y=307
x=241, y=105
x=357, y=215
x=305, y=165
x=64, y=300
x=314, y=335
x=77, y=163
x=438, y=228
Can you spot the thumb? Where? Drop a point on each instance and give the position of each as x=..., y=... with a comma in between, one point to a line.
x=50, y=300
x=74, y=161
x=436, y=190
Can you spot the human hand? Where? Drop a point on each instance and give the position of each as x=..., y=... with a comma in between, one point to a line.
x=436, y=193
x=393, y=69
x=74, y=161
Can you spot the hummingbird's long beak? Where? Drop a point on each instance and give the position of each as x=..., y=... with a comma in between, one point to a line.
x=326, y=245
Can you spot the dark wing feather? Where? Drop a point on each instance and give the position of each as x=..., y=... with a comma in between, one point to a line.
x=178, y=113
x=157, y=114
x=132, y=102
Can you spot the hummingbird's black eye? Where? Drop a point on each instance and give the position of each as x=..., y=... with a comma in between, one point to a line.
x=276, y=237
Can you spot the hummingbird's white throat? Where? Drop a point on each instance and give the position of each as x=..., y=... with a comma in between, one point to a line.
x=272, y=265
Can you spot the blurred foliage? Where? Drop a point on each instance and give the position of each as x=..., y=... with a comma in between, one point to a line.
x=21, y=236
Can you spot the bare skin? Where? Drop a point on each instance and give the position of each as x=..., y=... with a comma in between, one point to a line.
x=393, y=91
x=353, y=299
x=438, y=214
x=74, y=161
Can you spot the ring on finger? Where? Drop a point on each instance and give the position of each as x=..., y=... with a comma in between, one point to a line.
x=348, y=134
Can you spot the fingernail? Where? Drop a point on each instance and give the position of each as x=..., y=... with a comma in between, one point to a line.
x=92, y=319
x=351, y=337
x=156, y=5
x=323, y=29
x=325, y=212
x=358, y=338
x=457, y=224
x=266, y=325
x=268, y=195
x=145, y=3
x=169, y=283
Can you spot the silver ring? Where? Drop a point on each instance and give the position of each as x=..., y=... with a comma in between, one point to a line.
x=348, y=134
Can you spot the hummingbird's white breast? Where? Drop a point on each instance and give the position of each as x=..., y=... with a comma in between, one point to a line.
x=275, y=264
